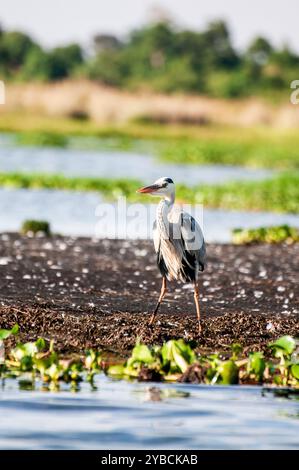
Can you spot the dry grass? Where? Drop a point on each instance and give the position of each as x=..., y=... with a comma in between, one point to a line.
x=105, y=105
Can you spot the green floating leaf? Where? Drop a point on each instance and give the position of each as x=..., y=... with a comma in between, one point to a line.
x=43, y=364
x=6, y=333
x=295, y=371
x=229, y=373
x=15, y=329
x=23, y=350
x=286, y=343
x=116, y=370
x=257, y=365
x=54, y=372
x=178, y=355
x=40, y=343
x=142, y=353
x=92, y=360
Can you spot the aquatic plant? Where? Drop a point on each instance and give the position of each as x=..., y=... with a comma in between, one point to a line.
x=41, y=139
x=108, y=187
x=278, y=194
x=175, y=360
x=256, y=147
x=38, y=360
x=275, y=234
x=35, y=226
x=254, y=150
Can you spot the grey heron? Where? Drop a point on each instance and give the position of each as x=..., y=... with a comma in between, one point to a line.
x=178, y=241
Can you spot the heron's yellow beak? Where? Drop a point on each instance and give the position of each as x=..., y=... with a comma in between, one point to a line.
x=148, y=189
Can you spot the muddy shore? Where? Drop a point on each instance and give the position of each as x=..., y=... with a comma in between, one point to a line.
x=99, y=293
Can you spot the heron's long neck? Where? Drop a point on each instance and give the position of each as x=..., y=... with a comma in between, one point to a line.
x=163, y=210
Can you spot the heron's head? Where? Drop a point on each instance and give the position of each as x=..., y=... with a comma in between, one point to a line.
x=163, y=187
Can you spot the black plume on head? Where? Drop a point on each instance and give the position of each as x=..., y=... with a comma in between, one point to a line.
x=169, y=180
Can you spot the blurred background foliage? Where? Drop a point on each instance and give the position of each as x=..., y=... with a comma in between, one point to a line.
x=157, y=57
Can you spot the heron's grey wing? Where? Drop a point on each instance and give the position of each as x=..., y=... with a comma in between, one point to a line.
x=193, y=238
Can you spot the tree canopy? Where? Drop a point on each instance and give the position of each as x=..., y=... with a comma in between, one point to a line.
x=160, y=57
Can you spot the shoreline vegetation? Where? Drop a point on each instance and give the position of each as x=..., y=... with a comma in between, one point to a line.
x=257, y=147
x=278, y=194
x=174, y=361
x=254, y=147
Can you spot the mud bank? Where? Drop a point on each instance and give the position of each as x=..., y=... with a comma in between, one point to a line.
x=99, y=293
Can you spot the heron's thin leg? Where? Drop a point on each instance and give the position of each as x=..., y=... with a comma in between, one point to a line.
x=162, y=293
x=196, y=300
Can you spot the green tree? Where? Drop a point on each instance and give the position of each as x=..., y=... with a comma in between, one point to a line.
x=106, y=67
x=14, y=47
x=218, y=46
x=148, y=50
x=179, y=75
x=285, y=57
x=37, y=66
x=259, y=51
x=64, y=60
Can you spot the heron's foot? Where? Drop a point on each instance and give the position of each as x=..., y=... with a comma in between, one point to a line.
x=199, y=329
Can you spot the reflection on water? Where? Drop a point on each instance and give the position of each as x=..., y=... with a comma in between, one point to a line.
x=74, y=213
x=133, y=415
x=115, y=164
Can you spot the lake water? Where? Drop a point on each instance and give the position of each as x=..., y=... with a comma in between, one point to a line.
x=122, y=415
x=74, y=213
x=114, y=164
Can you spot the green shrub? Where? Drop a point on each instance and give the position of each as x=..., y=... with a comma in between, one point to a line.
x=278, y=234
x=36, y=226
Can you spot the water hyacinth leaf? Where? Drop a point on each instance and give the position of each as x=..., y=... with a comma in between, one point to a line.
x=229, y=373
x=286, y=343
x=26, y=363
x=142, y=353
x=236, y=349
x=92, y=359
x=116, y=370
x=23, y=350
x=40, y=344
x=186, y=350
x=178, y=353
x=166, y=352
x=4, y=334
x=53, y=372
x=15, y=329
x=257, y=364
x=171, y=362
x=295, y=371
x=42, y=364
x=179, y=359
x=74, y=372
x=183, y=355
